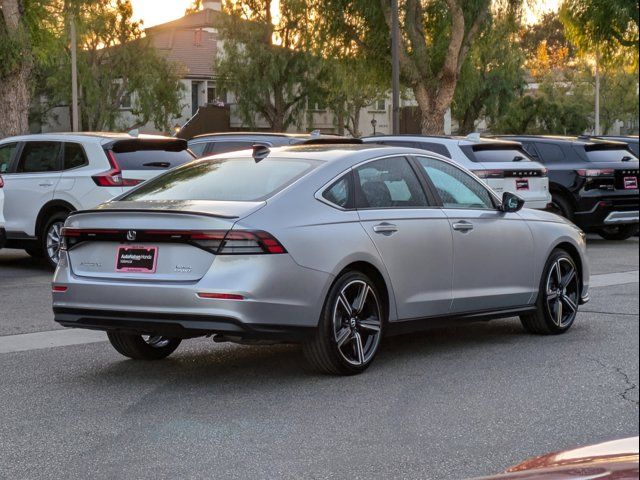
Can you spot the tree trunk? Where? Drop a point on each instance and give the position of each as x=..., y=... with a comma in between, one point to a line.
x=15, y=94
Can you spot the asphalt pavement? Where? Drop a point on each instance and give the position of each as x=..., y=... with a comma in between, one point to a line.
x=449, y=403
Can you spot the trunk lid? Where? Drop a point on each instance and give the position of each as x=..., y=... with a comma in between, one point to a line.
x=150, y=241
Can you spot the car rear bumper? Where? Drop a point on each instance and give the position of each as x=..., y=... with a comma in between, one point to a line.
x=617, y=218
x=598, y=212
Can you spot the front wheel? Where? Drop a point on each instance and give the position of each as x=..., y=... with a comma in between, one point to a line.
x=350, y=327
x=143, y=347
x=620, y=232
x=558, y=297
x=51, y=240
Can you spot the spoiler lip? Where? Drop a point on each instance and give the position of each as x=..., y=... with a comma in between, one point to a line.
x=145, y=210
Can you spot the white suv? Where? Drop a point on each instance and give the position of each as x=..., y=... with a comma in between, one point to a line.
x=48, y=176
x=504, y=166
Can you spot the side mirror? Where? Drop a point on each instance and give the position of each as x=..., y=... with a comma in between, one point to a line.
x=511, y=203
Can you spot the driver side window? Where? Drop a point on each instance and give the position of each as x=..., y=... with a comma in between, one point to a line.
x=456, y=188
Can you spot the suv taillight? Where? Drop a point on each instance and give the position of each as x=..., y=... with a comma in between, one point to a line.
x=113, y=177
x=591, y=173
x=489, y=173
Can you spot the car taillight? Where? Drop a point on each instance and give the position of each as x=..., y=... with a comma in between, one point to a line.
x=219, y=242
x=113, y=177
x=489, y=173
x=591, y=173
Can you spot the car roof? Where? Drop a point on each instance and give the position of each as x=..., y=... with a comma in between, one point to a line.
x=102, y=137
x=562, y=139
x=445, y=139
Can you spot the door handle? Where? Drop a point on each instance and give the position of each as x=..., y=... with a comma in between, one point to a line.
x=463, y=226
x=45, y=184
x=385, y=228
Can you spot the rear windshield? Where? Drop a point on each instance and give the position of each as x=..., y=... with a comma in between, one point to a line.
x=230, y=179
x=152, y=159
x=609, y=155
x=496, y=154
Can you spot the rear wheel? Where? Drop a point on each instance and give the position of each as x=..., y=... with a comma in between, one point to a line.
x=560, y=206
x=558, y=298
x=143, y=347
x=620, y=232
x=350, y=327
x=50, y=238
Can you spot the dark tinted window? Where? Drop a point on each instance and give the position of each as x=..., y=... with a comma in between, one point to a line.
x=435, y=148
x=74, y=156
x=231, y=179
x=341, y=192
x=39, y=157
x=389, y=183
x=397, y=143
x=6, y=156
x=198, y=148
x=608, y=155
x=548, y=152
x=232, y=146
x=635, y=148
x=152, y=159
x=456, y=188
x=492, y=155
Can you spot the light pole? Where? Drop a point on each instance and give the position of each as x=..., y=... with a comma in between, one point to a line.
x=74, y=75
x=395, y=66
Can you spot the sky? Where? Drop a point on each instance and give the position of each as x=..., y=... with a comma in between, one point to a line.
x=154, y=12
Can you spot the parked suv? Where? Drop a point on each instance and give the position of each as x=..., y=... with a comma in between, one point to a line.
x=502, y=165
x=633, y=142
x=216, y=143
x=594, y=183
x=48, y=176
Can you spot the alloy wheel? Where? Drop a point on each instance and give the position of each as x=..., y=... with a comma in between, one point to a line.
x=562, y=291
x=357, y=323
x=54, y=241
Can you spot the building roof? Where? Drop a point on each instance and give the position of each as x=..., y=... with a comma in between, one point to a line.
x=190, y=41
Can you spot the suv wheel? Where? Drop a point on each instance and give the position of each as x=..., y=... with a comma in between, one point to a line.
x=350, y=327
x=50, y=240
x=620, y=232
x=143, y=347
x=558, y=297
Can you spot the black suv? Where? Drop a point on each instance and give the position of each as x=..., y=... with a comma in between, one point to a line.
x=593, y=182
x=216, y=143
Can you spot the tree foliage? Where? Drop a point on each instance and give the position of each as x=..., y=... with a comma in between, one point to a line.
x=436, y=38
x=493, y=73
x=266, y=62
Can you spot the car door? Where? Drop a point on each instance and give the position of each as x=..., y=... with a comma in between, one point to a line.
x=411, y=234
x=31, y=185
x=493, y=251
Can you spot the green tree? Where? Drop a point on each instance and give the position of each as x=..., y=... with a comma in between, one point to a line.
x=436, y=38
x=116, y=65
x=266, y=61
x=493, y=73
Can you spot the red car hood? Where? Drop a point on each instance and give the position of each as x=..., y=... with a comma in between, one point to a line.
x=610, y=460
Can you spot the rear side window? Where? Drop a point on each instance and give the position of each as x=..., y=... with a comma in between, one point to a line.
x=198, y=148
x=152, y=159
x=341, y=192
x=230, y=179
x=608, y=155
x=6, y=156
x=389, y=183
x=435, y=148
x=226, y=147
x=549, y=153
x=39, y=157
x=494, y=155
x=74, y=156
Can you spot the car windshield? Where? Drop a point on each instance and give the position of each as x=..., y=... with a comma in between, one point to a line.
x=229, y=179
x=609, y=155
x=496, y=154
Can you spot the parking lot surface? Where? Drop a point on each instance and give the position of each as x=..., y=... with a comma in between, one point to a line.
x=452, y=402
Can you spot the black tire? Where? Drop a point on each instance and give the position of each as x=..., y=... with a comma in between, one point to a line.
x=360, y=332
x=137, y=348
x=35, y=251
x=544, y=321
x=620, y=232
x=561, y=206
x=54, y=222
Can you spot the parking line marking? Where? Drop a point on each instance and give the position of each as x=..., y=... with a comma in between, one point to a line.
x=49, y=339
x=612, y=279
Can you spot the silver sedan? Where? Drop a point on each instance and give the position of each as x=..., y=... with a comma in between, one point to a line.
x=329, y=246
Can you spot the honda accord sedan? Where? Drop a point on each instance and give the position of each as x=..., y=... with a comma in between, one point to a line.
x=329, y=246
